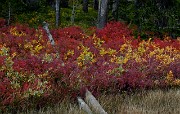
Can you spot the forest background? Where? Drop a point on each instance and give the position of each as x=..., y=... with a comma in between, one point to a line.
x=110, y=47
x=158, y=16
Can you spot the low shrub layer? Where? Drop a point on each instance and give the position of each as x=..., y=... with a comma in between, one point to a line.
x=33, y=73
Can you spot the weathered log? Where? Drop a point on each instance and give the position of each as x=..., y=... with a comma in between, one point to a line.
x=92, y=102
x=45, y=26
x=84, y=106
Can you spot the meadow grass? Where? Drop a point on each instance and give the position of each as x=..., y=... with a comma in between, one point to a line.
x=144, y=102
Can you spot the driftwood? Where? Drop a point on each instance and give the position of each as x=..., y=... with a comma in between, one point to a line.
x=91, y=100
x=84, y=106
x=45, y=26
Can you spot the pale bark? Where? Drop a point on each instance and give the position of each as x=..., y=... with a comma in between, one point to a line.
x=73, y=12
x=84, y=106
x=92, y=102
x=45, y=26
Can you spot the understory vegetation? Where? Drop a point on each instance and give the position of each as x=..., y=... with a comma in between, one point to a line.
x=34, y=74
x=131, y=65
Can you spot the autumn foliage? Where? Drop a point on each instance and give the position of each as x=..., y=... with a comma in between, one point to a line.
x=110, y=60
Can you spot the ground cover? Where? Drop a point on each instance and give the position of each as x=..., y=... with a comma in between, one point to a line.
x=142, y=102
x=33, y=73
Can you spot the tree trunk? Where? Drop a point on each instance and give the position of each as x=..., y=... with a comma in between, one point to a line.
x=85, y=5
x=57, y=12
x=102, y=13
x=64, y=3
x=137, y=20
x=9, y=13
x=115, y=9
x=95, y=4
x=73, y=12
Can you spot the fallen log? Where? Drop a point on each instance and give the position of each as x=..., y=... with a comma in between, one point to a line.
x=84, y=106
x=91, y=100
x=45, y=26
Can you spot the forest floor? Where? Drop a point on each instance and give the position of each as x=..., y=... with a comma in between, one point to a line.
x=145, y=102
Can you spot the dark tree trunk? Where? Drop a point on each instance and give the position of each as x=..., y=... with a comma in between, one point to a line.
x=57, y=12
x=102, y=13
x=63, y=3
x=161, y=7
x=137, y=20
x=31, y=1
x=115, y=9
x=50, y=3
x=32, y=4
x=9, y=13
x=85, y=5
x=95, y=4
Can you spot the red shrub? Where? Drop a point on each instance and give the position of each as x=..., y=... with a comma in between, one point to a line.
x=65, y=77
x=2, y=22
x=114, y=30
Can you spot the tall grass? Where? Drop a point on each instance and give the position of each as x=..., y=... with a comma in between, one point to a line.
x=144, y=102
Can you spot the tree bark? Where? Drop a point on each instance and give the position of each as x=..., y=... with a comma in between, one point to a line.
x=45, y=26
x=102, y=13
x=73, y=13
x=84, y=106
x=57, y=12
x=9, y=13
x=91, y=100
x=85, y=5
x=64, y=3
x=95, y=4
x=115, y=9
x=137, y=20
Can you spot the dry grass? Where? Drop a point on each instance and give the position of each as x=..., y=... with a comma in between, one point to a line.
x=62, y=108
x=146, y=102
x=151, y=102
